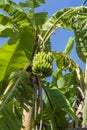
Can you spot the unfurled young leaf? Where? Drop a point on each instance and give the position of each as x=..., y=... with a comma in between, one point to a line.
x=69, y=46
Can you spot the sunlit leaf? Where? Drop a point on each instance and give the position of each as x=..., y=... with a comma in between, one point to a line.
x=12, y=57
x=16, y=53
x=59, y=20
x=69, y=46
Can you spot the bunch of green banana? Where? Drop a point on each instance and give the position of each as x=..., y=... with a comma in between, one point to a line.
x=42, y=64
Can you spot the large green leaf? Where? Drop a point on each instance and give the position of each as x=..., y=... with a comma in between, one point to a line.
x=71, y=19
x=80, y=30
x=15, y=56
x=66, y=18
x=15, y=88
x=12, y=57
x=55, y=117
x=81, y=44
x=14, y=14
x=58, y=100
x=8, y=120
x=26, y=36
x=62, y=19
x=12, y=19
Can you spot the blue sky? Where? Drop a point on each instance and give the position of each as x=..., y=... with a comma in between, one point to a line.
x=60, y=38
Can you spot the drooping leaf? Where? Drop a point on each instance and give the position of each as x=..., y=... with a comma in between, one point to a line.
x=55, y=117
x=16, y=15
x=58, y=100
x=18, y=89
x=81, y=46
x=57, y=20
x=62, y=19
x=8, y=118
x=50, y=118
x=61, y=118
x=12, y=19
x=80, y=28
x=69, y=18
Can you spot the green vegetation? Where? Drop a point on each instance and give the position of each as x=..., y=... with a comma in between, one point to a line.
x=27, y=100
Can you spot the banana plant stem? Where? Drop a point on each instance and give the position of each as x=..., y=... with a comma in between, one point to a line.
x=40, y=111
x=84, y=123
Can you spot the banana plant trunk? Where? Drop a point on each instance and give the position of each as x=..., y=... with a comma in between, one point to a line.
x=27, y=118
x=84, y=123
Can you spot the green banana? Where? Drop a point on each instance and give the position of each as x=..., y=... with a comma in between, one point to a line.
x=42, y=64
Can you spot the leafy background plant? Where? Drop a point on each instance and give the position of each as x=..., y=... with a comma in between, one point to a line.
x=24, y=94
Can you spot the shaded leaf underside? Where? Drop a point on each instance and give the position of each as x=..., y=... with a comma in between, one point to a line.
x=59, y=101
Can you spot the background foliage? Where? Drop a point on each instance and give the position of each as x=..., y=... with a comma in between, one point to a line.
x=29, y=33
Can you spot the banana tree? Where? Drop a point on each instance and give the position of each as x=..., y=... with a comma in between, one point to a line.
x=73, y=19
x=27, y=100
